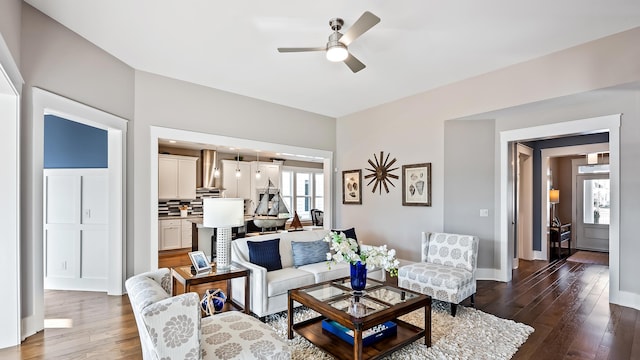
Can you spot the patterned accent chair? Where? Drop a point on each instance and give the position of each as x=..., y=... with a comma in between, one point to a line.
x=171, y=327
x=447, y=271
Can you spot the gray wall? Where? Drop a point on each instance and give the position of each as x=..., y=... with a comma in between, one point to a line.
x=58, y=60
x=469, y=183
x=165, y=102
x=413, y=129
x=10, y=19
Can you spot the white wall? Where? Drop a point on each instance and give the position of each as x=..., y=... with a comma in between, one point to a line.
x=412, y=129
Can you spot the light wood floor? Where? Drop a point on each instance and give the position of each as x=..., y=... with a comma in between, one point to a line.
x=566, y=302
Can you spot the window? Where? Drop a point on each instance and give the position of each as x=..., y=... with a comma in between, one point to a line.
x=596, y=201
x=303, y=190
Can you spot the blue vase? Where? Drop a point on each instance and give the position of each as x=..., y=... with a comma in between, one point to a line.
x=358, y=276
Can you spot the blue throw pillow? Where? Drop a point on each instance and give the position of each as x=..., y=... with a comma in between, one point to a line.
x=265, y=254
x=309, y=252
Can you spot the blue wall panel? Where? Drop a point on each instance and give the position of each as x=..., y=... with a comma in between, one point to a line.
x=71, y=145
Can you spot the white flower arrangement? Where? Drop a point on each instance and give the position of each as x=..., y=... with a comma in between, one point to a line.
x=347, y=250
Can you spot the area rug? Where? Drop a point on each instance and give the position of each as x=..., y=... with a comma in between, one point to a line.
x=472, y=334
x=590, y=257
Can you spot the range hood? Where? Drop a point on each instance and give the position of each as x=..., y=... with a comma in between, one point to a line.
x=209, y=160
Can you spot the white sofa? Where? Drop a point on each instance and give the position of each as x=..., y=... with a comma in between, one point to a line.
x=269, y=289
x=170, y=327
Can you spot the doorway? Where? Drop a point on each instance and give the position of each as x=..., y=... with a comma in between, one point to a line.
x=43, y=103
x=524, y=203
x=610, y=123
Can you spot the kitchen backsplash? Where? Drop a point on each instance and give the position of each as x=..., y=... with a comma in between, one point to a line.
x=194, y=207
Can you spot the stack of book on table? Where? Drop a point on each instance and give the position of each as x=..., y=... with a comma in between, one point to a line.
x=369, y=336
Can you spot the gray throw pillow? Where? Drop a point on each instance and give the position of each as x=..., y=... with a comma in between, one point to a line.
x=309, y=252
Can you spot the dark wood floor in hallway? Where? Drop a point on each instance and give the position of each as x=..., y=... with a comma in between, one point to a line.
x=566, y=302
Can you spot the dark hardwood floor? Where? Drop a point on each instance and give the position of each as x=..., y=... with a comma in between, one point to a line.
x=566, y=302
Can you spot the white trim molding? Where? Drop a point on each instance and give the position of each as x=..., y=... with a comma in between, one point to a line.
x=10, y=191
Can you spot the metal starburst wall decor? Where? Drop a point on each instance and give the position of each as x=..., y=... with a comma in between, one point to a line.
x=381, y=173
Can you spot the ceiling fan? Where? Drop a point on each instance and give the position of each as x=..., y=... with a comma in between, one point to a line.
x=336, y=47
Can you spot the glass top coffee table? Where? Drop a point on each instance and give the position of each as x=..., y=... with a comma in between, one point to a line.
x=336, y=301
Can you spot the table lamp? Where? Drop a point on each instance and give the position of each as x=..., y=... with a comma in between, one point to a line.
x=223, y=214
x=554, y=198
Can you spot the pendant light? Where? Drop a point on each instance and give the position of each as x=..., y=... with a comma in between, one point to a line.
x=238, y=174
x=216, y=169
x=258, y=175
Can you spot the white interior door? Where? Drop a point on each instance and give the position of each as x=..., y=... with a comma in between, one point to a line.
x=593, y=201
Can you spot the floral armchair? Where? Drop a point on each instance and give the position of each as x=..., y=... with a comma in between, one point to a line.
x=447, y=271
x=171, y=327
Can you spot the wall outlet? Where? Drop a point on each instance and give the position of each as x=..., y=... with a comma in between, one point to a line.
x=484, y=212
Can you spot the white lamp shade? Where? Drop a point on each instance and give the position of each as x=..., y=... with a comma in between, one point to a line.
x=222, y=212
x=592, y=158
x=554, y=196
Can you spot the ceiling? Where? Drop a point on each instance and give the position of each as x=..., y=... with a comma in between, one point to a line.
x=418, y=45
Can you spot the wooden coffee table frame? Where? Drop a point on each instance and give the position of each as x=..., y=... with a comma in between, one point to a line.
x=312, y=329
x=182, y=275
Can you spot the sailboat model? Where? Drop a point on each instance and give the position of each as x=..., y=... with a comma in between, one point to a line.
x=270, y=217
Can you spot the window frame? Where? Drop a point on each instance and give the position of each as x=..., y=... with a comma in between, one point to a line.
x=294, y=170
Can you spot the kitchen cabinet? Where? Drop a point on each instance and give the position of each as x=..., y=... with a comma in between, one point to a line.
x=236, y=187
x=176, y=177
x=174, y=234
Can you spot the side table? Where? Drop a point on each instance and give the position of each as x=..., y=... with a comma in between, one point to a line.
x=559, y=235
x=183, y=275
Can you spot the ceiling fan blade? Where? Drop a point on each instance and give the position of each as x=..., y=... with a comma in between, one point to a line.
x=301, y=49
x=364, y=23
x=354, y=64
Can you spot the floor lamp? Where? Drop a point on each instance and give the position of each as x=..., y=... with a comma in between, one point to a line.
x=223, y=214
x=554, y=198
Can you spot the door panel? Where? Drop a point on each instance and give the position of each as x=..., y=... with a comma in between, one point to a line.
x=61, y=204
x=93, y=260
x=592, y=232
x=95, y=200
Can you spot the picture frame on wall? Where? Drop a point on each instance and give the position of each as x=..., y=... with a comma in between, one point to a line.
x=352, y=187
x=416, y=184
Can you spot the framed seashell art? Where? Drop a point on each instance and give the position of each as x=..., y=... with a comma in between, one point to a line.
x=352, y=187
x=416, y=184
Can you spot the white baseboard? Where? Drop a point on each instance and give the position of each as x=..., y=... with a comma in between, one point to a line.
x=488, y=274
x=539, y=255
x=30, y=326
x=625, y=298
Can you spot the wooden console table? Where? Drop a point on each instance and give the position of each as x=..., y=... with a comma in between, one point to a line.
x=559, y=235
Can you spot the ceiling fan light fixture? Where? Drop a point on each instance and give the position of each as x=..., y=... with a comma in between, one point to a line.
x=337, y=52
